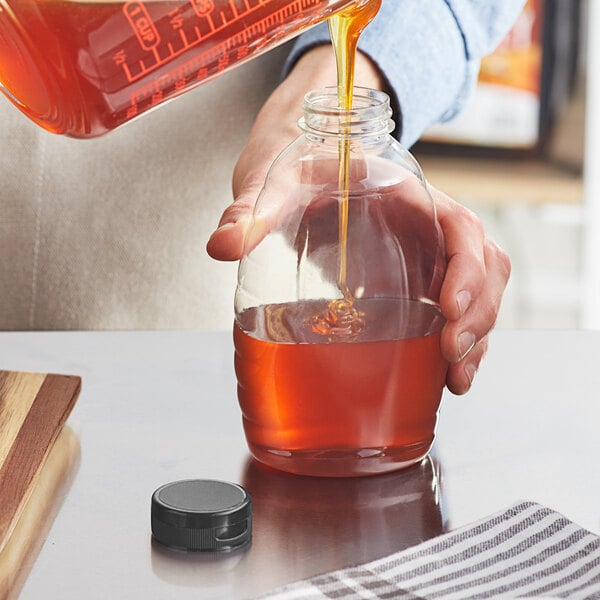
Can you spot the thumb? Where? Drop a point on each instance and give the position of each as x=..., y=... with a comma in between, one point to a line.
x=227, y=241
x=239, y=219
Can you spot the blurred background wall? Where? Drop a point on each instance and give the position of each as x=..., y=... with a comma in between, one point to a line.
x=524, y=157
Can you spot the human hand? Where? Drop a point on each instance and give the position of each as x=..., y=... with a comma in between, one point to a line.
x=476, y=276
x=470, y=286
x=477, y=272
x=274, y=128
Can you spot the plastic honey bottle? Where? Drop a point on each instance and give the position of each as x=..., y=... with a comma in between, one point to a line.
x=341, y=376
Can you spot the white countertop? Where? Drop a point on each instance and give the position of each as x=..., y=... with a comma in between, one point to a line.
x=161, y=406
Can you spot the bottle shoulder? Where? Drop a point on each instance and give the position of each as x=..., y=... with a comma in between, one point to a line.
x=311, y=157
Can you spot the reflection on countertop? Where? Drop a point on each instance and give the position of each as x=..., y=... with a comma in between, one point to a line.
x=311, y=525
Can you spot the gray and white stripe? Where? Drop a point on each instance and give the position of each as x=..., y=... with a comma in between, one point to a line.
x=526, y=551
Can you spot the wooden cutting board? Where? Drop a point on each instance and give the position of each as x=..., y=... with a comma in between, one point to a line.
x=53, y=481
x=33, y=410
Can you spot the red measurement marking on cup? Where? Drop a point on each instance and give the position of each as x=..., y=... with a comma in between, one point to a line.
x=238, y=26
x=142, y=24
x=203, y=7
x=185, y=31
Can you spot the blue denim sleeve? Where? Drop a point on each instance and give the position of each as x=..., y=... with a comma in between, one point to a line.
x=428, y=51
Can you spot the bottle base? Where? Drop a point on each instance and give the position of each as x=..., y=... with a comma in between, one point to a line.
x=342, y=462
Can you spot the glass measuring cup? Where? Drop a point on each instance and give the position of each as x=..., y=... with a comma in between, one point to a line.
x=341, y=379
x=84, y=67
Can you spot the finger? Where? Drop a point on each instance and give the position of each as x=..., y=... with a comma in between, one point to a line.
x=466, y=271
x=460, y=376
x=227, y=241
x=460, y=337
x=246, y=222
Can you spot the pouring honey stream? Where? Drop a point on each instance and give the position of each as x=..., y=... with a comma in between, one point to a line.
x=341, y=318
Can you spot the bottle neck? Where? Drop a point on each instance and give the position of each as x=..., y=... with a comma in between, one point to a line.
x=369, y=117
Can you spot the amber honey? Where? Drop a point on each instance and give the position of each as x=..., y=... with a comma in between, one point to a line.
x=85, y=67
x=340, y=317
x=345, y=29
x=354, y=407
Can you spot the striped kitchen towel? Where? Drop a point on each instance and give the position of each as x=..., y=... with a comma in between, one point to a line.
x=526, y=551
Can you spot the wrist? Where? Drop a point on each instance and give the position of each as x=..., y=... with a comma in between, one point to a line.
x=317, y=68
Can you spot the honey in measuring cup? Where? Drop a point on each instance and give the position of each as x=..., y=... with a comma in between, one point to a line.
x=84, y=67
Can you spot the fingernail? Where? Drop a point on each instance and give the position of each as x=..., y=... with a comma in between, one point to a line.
x=466, y=341
x=463, y=299
x=470, y=372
